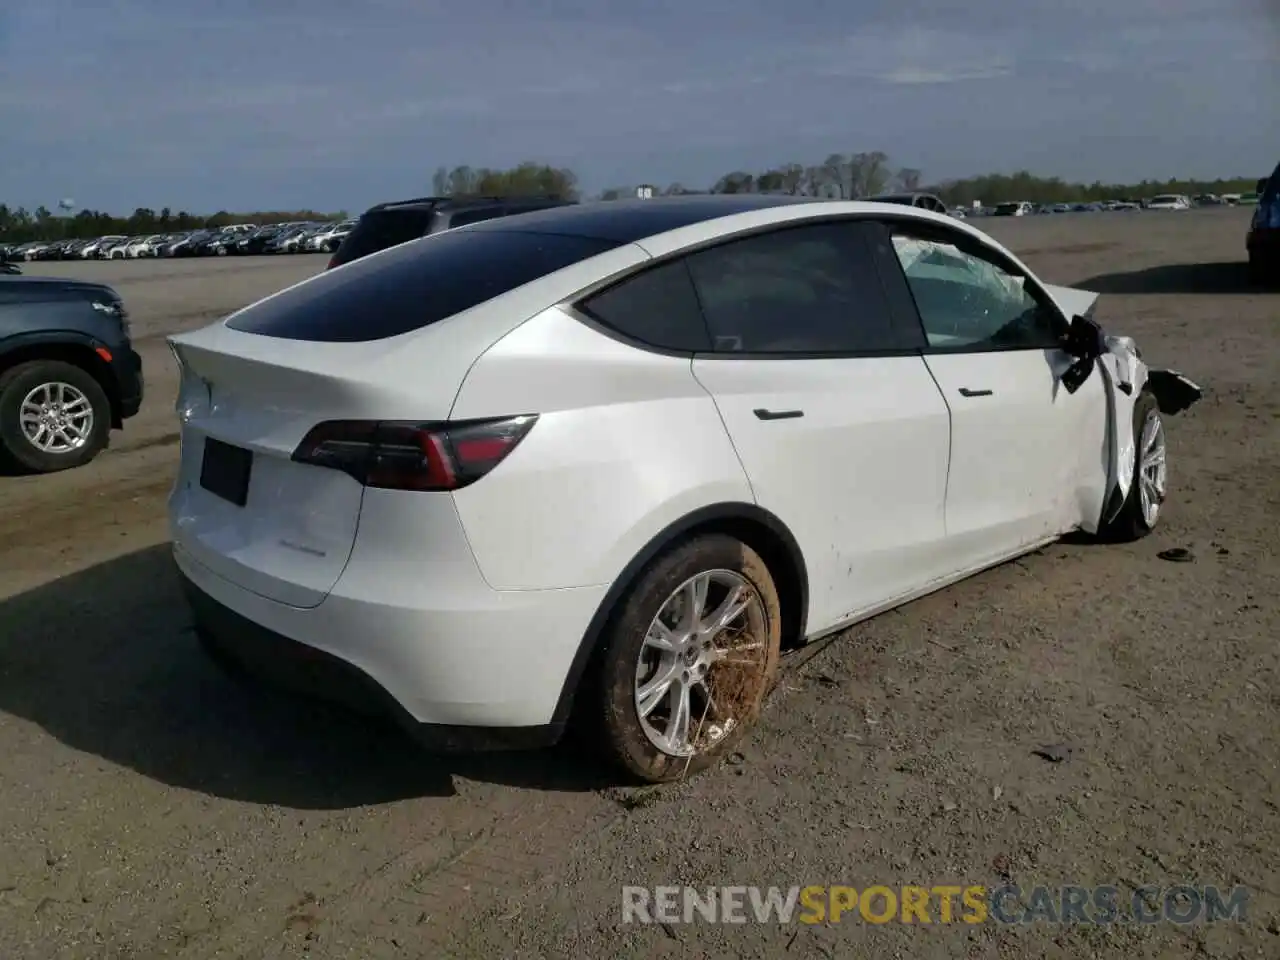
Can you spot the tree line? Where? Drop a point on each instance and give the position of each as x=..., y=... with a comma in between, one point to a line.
x=840, y=175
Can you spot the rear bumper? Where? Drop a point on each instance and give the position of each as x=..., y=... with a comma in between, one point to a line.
x=250, y=648
x=482, y=670
x=127, y=367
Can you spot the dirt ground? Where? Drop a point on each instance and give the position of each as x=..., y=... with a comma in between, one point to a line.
x=152, y=808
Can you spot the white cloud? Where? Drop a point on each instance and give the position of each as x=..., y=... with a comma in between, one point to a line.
x=908, y=75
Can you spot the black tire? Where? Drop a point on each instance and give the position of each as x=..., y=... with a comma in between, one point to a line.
x=611, y=709
x=19, y=381
x=1262, y=273
x=1131, y=523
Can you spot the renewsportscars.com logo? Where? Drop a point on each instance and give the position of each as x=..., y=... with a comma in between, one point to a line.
x=943, y=904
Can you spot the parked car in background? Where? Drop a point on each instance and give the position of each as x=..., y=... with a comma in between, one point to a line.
x=186, y=245
x=144, y=247
x=1016, y=209
x=215, y=243
x=328, y=237
x=68, y=371
x=915, y=198
x=1169, y=201
x=256, y=241
x=605, y=460
x=90, y=250
x=339, y=235
x=1263, y=239
x=118, y=249
x=286, y=241
x=389, y=224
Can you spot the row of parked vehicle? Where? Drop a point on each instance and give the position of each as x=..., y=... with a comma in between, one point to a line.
x=237, y=239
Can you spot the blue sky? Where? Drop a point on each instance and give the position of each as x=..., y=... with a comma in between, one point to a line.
x=254, y=104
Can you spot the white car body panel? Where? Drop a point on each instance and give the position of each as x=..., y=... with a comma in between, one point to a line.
x=1012, y=483
x=604, y=407
x=859, y=480
x=292, y=539
x=468, y=607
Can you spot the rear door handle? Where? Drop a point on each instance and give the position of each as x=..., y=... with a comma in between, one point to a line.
x=764, y=414
x=966, y=392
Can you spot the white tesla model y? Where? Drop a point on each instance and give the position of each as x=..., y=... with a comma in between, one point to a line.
x=604, y=460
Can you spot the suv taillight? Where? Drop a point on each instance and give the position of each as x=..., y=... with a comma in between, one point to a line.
x=400, y=455
x=1267, y=215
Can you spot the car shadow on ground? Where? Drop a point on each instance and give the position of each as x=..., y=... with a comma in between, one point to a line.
x=105, y=661
x=1206, y=278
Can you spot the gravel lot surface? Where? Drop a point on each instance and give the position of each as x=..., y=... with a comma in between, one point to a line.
x=152, y=808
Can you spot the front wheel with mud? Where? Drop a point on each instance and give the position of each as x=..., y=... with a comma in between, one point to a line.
x=688, y=659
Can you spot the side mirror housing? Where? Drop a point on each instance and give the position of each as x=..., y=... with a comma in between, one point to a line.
x=1085, y=339
x=1086, y=342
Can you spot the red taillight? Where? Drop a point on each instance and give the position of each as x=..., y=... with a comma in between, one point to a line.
x=399, y=455
x=333, y=262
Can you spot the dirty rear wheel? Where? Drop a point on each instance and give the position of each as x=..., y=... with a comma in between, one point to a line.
x=687, y=659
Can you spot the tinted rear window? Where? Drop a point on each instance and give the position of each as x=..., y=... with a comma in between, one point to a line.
x=380, y=229
x=414, y=285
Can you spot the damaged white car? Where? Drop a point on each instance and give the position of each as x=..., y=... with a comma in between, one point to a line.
x=601, y=462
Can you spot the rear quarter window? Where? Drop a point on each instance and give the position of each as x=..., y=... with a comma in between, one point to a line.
x=657, y=307
x=413, y=286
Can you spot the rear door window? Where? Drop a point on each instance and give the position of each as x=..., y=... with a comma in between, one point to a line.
x=799, y=290
x=413, y=286
x=380, y=229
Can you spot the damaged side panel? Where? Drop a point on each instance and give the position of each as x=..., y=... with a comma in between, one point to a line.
x=1173, y=392
x=1126, y=375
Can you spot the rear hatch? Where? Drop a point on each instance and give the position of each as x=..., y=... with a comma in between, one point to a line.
x=390, y=337
x=380, y=228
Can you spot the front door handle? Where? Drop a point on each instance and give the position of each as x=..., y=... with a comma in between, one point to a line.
x=764, y=414
x=966, y=392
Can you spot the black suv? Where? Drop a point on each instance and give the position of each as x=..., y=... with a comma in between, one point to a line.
x=390, y=224
x=1263, y=242
x=68, y=371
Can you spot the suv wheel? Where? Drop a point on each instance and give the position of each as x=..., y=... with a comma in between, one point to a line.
x=688, y=659
x=53, y=416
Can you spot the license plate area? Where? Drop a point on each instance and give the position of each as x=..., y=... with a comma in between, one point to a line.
x=225, y=469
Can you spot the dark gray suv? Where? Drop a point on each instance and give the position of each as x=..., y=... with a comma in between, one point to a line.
x=400, y=221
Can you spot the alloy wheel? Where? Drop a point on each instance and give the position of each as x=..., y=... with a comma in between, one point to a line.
x=1152, y=469
x=702, y=663
x=56, y=418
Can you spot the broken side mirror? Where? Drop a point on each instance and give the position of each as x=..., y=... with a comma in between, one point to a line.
x=1086, y=342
